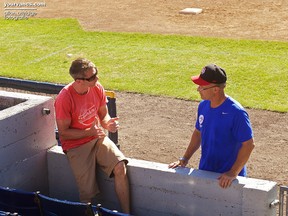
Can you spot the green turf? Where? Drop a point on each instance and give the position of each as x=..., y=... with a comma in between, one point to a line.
x=36, y=49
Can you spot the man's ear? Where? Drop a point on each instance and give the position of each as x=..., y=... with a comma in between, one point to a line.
x=216, y=89
x=78, y=81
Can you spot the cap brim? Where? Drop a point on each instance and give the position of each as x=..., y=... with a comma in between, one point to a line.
x=199, y=81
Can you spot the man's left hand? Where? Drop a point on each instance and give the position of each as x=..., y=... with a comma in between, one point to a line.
x=113, y=124
x=225, y=179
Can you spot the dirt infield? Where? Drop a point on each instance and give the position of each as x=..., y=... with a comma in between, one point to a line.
x=159, y=128
x=257, y=19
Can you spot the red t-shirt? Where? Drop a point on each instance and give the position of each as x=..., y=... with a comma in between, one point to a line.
x=82, y=110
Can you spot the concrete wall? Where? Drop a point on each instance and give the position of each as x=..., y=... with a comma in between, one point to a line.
x=26, y=134
x=159, y=191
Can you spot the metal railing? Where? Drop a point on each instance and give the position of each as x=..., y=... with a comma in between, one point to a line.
x=283, y=199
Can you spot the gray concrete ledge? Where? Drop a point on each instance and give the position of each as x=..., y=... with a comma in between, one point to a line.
x=160, y=191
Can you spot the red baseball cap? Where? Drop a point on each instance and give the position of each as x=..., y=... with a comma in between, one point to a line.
x=210, y=74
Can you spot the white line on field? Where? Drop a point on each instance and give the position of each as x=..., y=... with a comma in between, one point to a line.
x=47, y=56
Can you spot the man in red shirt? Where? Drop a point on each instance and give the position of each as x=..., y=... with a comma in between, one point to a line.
x=81, y=115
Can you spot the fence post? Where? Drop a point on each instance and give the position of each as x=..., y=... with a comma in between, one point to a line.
x=113, y=113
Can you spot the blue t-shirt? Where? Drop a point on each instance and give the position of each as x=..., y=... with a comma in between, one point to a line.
x=223, y=130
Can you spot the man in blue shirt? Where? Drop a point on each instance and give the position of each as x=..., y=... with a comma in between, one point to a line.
x=223, y=129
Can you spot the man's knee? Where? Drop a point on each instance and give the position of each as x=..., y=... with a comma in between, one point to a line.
x=120, y=169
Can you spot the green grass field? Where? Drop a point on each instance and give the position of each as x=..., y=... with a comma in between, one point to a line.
x=36, y=49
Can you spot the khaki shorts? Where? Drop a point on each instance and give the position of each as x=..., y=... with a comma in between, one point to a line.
x=83, y=161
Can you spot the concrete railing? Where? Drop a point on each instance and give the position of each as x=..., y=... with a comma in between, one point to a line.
x=157, y=190
x=26, y=132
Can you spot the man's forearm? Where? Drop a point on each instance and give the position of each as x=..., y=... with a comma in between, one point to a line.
x=193, y=145
x=71, y=133
x=105, y=121
x=243, y=156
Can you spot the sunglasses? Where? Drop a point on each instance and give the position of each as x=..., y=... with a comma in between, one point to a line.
x=203, y=89
x=90, y=79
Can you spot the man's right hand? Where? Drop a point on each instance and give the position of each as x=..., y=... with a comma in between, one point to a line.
x=100, y=133
x=97, y=131
x=178, y=163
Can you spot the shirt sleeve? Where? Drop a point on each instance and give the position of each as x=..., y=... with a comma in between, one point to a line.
x=62, y=106
x=101, y=94
x=242, y=126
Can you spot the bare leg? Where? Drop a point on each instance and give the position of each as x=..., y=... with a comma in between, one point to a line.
x=122, y=186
